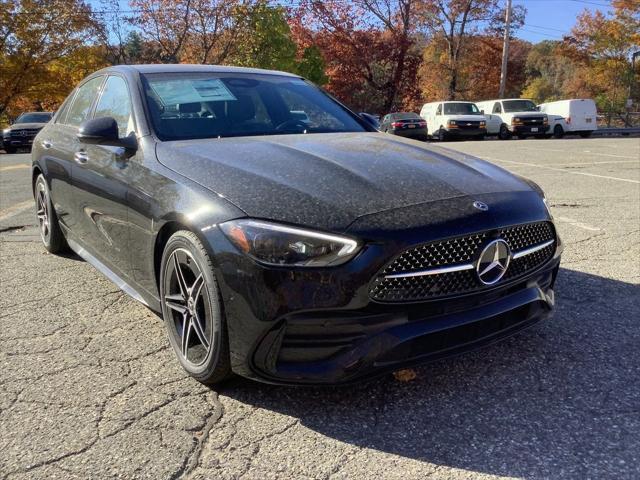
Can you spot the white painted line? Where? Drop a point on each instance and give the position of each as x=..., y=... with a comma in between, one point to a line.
x=576, y=223
x=15, y=209
x=628, y=180
x=13, y=167
x=589, y=152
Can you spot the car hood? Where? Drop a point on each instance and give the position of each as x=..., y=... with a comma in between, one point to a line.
x=21, y=126
x=329, y=180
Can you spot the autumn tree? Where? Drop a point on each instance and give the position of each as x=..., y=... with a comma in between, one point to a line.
x=267, y=42
x=367, y=46
x=455, y=23
x=604, y=44
x=36, y=35
x=197, y=31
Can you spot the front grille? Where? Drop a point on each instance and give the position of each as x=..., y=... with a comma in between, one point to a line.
x=459, y=251
x=468, y=125
x=24, y=133
x=533, y=121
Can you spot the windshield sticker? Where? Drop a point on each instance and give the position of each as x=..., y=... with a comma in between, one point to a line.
x=172, y=92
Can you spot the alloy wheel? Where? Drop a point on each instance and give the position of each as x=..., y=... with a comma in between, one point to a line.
x=42, y=211
x=187, y=300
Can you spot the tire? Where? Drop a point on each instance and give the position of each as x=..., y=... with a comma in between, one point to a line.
x=50, y=231
x=585, y=134
x=191, y=299
x=504, y=133
x=441, y=135
x=558, y=131
x=10, y=149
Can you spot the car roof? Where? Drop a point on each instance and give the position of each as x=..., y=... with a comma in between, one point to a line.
x=191, y=68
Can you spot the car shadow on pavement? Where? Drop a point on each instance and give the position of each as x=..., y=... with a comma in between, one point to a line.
x=559, y=400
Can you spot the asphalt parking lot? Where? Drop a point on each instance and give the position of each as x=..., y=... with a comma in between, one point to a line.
x=91, y=389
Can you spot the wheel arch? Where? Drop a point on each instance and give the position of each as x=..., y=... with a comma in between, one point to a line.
x=35, y=172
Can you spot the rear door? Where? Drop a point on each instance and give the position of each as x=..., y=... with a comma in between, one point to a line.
x=58, y=142
x=100, y=177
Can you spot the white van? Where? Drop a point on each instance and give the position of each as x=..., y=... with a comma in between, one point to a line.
x=454, y=120
x=513, y=116
x=579, y=116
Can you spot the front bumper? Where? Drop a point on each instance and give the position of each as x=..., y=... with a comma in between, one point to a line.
x=529, y=129
x=320, y=326
x=17, y=142
x=465, y=132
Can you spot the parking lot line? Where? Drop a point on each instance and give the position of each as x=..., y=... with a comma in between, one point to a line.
x=13, y=167
x=627, y=180
x=584, y=151
x=576, y=223
x=15, y=209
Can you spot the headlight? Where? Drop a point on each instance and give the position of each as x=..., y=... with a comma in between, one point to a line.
x=452, y=122
x=516, y=120
x=276, y=244
x=6, y=130
x=483, y=123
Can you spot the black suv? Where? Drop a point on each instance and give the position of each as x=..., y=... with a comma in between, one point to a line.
x=22, y=132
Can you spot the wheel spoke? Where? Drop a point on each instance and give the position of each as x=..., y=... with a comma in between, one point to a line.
x=176, y=302
x=196, y=288
x=186, y=333
x=180, y=276
x=199, y=329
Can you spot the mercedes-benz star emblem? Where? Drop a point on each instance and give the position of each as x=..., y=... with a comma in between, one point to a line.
x=481, y=206
x=493, y=262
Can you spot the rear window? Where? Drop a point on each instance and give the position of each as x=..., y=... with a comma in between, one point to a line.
x=209, y=105
x=405, y=116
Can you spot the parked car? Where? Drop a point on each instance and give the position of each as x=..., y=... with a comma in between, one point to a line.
x=579, y=115
x=374, y=120
x=283, y=250
x=454, y=120
x=514, y=116
x=557, y=126
x=20, y=134
x=405, y=124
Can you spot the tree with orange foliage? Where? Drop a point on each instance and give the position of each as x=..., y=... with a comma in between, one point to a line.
x=604, y=44
x=368, y=47
x=35, y=35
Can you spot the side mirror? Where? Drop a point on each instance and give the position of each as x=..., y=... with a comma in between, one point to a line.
x=482, y=112
x=104, y=131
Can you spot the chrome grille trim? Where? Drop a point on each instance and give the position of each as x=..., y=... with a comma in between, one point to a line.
x=534, y=249
x=467, y=266
x=433, y=271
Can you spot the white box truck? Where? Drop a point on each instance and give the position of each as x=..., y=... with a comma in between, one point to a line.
x=513, y=116
x=454, y=120
x=579, y=116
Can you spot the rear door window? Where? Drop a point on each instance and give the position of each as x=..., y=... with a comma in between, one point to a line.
x=497, y=108
x=82, y=102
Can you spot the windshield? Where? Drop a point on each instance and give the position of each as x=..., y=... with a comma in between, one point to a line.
x=208, y=105
x=519, y=106
x=40, y=117
x=460, y=108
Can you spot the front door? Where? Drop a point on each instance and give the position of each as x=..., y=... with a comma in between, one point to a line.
x=100, y=183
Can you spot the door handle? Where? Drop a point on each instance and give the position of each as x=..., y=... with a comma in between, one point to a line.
x=47, y=144
x=81, y=157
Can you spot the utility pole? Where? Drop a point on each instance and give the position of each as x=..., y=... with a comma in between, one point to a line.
x=505, y=51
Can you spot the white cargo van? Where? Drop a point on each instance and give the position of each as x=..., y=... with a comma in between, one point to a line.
x=454, y=120
x=579, y=115
x=513, y=116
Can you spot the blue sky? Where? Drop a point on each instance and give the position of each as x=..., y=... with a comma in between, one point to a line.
x=550, y=19
x=545, y=20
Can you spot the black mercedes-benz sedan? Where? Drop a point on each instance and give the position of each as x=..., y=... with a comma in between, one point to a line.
x=278, y=234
